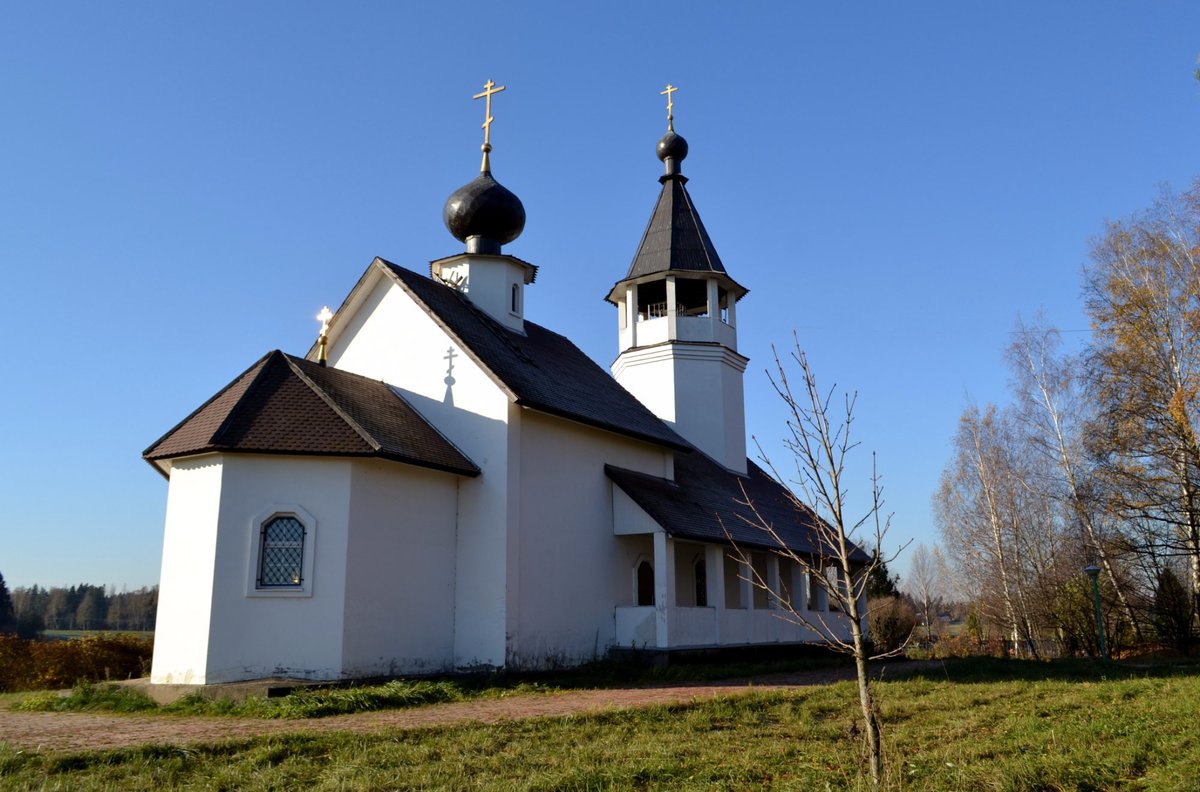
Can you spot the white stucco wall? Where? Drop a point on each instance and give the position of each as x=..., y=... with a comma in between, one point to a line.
x=389, y=337
x=399, y=607
x=296, y=636
x=572, y=569
x=489, y=281
x=695, y=388
x=186, y=579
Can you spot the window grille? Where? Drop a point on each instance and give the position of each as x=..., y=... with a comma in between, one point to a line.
x=281, y=558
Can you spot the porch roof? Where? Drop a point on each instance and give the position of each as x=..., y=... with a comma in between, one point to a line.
x=706, y=502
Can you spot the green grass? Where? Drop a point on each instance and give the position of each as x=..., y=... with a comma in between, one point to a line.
x=86, y=697
x=304, y=703
x=972, y=726
x=319, y=702
x=322, y=702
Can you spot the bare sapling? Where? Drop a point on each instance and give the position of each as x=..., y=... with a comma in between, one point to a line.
x=818, y=440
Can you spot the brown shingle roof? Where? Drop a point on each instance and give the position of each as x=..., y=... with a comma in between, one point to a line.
x=703, y=501
x=288, y=405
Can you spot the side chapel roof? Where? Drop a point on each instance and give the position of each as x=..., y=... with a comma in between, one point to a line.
x=287, y=405
x=539, y=369
x=706, y=500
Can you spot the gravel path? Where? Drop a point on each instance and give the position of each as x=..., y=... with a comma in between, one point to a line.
x=63, y=731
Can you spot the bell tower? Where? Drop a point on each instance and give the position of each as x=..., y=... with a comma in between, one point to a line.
x=677, y=321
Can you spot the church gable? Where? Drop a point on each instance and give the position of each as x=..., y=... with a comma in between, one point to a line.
x=539, y=368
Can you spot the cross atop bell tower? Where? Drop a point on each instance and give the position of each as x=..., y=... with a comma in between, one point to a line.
x=670, y=106
x=677, y=320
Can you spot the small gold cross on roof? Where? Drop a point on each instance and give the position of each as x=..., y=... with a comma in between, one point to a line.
x=670, y=105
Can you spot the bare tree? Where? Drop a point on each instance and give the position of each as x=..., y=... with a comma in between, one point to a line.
x=924, y=584
x=1049, y=401
x=1000, y=531
x=819, y=441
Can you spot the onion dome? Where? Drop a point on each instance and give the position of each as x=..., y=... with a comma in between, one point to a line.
x=484, y=214
x=672, y=149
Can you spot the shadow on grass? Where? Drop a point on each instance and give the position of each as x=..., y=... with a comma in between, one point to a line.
x=983, y=670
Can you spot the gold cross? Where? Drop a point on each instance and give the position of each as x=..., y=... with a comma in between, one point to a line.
x=670, y=105
x=489, y=88
x=324, y=317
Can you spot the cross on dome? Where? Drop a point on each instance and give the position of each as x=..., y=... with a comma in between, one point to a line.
x=489, y=88
x=670, y=106
x=483, y=213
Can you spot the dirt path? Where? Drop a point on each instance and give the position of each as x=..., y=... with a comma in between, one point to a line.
x=61, y=731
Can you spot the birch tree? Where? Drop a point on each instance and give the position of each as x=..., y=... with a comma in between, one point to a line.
x=1051, y=409
x=999, y=531
x=1143, y=297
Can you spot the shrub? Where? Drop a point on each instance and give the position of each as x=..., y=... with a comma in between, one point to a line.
x=964, y=645
x=891, y=622
x=40, y=665
x=1173, y=612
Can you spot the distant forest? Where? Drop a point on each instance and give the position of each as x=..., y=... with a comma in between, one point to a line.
x=82, y=607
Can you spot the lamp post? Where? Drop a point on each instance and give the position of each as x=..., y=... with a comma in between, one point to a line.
x=1093, y=572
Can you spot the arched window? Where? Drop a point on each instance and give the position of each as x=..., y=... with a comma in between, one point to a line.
x=645, y=583
x=281, y=552
x=280, y=558
x=516, y=299
x=701, y=583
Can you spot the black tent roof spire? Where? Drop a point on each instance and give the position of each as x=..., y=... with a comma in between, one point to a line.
x=675, y=240
x=483, y=213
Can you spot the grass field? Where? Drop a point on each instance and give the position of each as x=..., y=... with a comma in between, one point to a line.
x=323, y=701
x=977, y=725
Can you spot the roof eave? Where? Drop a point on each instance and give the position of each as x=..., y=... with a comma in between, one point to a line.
x=682, y=445
x=739, y=291
x=157, y=462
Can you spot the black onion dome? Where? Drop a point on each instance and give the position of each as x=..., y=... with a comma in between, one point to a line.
x=486, y=210
x=672, y=145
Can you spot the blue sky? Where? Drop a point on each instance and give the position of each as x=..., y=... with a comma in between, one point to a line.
x=183, y=186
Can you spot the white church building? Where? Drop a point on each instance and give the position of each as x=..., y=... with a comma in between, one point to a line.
x=441, y=484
